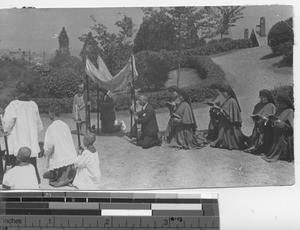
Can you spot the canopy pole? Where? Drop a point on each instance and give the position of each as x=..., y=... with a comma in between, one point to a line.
x=98, y=111
x=88, y=115
x=134, y=100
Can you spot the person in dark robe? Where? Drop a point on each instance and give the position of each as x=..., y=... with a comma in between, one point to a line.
x=282, y=147
x=183, y=123
x=109, y=124
x=262, y=134
x=215, y=115
x=149, y=130
x=230, y=134
x=170, y=130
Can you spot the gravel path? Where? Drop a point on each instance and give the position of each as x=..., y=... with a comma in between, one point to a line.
x=126, y=166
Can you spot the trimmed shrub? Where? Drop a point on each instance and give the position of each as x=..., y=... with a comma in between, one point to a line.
x=281, y=33
x=152, y=68
x=287, y=89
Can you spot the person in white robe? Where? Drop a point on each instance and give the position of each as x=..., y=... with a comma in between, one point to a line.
x=60, y=151
x=88, y=172
x=21, y=176
x=22, y=122
x=79, y=109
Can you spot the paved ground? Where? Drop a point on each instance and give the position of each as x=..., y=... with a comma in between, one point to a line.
x=126, y=166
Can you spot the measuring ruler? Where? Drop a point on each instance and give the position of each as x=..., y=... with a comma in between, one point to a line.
x=102, y=210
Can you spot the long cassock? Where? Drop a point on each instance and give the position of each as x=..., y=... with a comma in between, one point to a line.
x=262, y=135
x=185, y=129
x=230, y=135
x=88, y=172
x=282, y=147
x=59, y=143
x=23, y=121
x=214, y=122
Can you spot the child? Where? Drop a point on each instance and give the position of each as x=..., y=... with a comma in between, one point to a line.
x=88, y=170
x=23, y=175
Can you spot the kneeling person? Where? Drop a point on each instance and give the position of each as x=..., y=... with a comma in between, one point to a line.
x=21, y=176
x=147, y=118
x=88, y=172
x=59, y=150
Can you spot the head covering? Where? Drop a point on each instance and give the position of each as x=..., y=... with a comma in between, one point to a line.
x=23, y=157
x=181, y=92
x=230, y=92
x=90, y=138
x=268, y=95
x=282, y=97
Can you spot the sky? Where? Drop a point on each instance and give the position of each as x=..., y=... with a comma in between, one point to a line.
x=37, y=29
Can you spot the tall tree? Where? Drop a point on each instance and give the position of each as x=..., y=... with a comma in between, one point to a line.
x=90, y=48
x=112, y=48
x=220, y=18
x=156, y=32
x=62, y=54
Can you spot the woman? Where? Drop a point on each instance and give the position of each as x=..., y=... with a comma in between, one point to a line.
x=183, y=122
x=262, y=135
x=230, y=135
x=282, y=147
x=213, y=127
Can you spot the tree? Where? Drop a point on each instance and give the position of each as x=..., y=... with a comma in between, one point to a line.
x=63, y=41
x=111, y=47
x=156, y=32
x=90, y=48
x=63, y=53
x=220, y=18
x=169, y=28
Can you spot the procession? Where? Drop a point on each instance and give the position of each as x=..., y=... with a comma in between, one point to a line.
x=169, y=97
x=79, y=167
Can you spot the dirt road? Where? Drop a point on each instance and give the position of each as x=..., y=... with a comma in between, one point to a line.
x=126, y=166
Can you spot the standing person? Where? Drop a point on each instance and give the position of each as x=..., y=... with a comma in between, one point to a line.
x=282, y=146
x=79, y=109
x=59, y=149
x=262, y=134
x=183, y=122
x=22, y=175
x=109, y=124
x=22, y=121
x=230, y=134
x=88, y=172
x=147, y=118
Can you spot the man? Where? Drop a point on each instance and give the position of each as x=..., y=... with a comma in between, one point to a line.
x=79, y=109
x=147, y=118
x=109, y=124
x=60, y=150
x=22, y=122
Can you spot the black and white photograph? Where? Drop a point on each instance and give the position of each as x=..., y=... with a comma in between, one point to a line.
x=169, y=97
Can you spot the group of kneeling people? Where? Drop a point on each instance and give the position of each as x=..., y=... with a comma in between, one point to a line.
x=272, y=135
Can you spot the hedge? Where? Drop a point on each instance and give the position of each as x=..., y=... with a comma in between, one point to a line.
x=280, y=33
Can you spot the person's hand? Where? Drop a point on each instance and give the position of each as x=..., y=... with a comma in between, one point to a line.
x=176, y=120
x=6, y=133
x=80, y=150
x=89, y=103
x=78, y=121
x=279, y=124
x=136, y=118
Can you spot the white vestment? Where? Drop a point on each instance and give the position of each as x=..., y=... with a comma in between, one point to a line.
x=58, y=135
x=21, y=177
x=23, y=119
x=88, y=172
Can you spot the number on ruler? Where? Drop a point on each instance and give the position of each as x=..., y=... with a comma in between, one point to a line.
x=166, y=221
x=106, y=221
